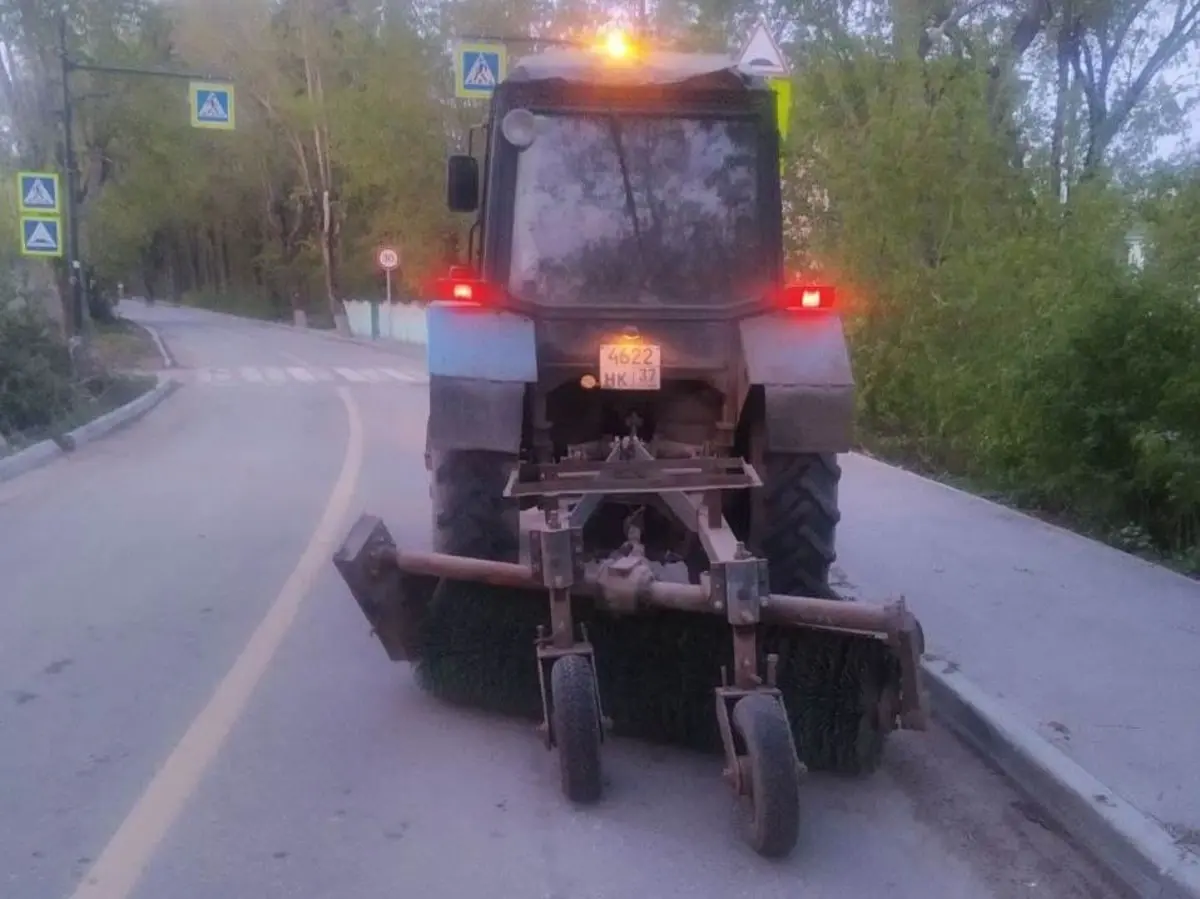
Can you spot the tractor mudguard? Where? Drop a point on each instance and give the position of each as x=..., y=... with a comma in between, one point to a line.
x=483, y=344
x=471, y=414
x=802, y=363
x=479, y=363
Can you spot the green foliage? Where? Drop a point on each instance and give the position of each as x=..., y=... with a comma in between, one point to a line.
x=36, y=375
x=1117, y=434
x=998, y=336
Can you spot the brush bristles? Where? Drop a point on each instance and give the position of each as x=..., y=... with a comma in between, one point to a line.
x=657, y=672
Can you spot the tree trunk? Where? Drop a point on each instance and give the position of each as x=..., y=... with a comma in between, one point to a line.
x=1066, y=48
x=329, y=234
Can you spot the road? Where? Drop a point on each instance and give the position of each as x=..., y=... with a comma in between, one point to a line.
x=192, y=706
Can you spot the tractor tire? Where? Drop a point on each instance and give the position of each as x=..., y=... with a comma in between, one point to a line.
x=477, y=642
x=798, y=522
x=471, y=516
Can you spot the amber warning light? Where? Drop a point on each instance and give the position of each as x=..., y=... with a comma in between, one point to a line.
x=807, y=297
x=617, y=45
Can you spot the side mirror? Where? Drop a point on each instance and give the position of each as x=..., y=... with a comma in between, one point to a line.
x=462, y=183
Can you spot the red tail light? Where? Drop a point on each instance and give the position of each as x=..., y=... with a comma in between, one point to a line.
x=464, y=290
x=807, y=297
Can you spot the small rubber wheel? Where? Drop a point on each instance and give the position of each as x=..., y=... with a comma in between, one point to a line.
x=576, y=727
x=770, y=763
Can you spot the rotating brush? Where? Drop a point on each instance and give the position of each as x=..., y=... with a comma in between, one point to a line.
x=657, y=671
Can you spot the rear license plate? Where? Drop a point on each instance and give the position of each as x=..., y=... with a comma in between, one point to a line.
x=630, y=366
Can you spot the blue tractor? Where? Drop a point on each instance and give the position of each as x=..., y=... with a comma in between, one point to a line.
x=634, y=414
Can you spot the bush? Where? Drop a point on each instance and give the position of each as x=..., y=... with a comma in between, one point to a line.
x=37, y=384
x=1116, y=416
x=998, y=336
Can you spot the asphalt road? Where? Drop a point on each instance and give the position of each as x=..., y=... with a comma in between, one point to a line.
x=191, y=705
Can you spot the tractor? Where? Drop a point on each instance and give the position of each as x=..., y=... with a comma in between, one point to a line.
x=633, y=435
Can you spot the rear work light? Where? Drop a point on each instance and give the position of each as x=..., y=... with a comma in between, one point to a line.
x=807, y=297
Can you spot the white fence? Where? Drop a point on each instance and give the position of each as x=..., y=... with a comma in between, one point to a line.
x=403, y=322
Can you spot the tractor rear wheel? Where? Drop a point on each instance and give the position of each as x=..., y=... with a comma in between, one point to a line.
x=471, y=516
x=477, y=641
x=796, y=524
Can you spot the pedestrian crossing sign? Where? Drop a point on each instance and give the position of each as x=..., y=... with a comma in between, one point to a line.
x=38, y=193
x=478, y=68
x=212, y=105
x=41, y=235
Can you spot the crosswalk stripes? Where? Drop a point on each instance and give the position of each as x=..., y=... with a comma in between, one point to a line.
x=267, y=375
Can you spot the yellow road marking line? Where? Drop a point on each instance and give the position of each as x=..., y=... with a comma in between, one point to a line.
x=119, y=867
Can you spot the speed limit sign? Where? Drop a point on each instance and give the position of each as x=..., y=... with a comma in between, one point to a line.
x=389, y=259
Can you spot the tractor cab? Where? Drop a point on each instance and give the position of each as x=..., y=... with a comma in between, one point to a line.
x=618, y=178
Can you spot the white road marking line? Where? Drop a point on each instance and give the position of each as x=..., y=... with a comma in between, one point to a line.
x=268, y=374
x=398, y=375
x=119, y=867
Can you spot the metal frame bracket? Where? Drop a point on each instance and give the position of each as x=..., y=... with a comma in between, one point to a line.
x=740, y=588
x=556, y=555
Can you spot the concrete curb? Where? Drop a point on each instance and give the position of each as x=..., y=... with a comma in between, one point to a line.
x=167, y=358
x=1134, y=847
x=47, y=451
x=28, y=459
x=121, y=416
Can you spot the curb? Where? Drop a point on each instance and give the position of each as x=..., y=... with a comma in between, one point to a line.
x=121, y=416
x=167, y=358
x=47, y=451
x=28, y=459
x=1134, y=847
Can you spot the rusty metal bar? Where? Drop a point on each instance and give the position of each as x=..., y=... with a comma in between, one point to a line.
x=574, y=485
x=462, y=568
x=794, y=610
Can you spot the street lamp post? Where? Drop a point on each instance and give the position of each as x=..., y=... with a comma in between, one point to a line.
x=74, y=269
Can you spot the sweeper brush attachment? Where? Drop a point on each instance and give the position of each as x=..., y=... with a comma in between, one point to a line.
x=779, y=684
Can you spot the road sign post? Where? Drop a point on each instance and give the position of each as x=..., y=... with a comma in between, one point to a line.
x=40, y=210
x=761, y=56
x=389, y=261
x=39, y=193
x=41, y=236
x=212, y=105
x=478, y=67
